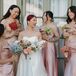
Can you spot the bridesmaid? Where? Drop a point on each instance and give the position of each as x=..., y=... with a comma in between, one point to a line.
x=6, y=57
x=11, y=23
x=70, y=42
x=50, y=36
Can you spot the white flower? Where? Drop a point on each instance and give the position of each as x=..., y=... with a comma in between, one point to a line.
x=40, y=44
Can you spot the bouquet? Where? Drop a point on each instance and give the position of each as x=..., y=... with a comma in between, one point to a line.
x=19, y=46
x=15, y=47
x=25, y=43
x=65, y=28
x=33, y=43
x=48, y=31
x=13, y=26
x=66, y=51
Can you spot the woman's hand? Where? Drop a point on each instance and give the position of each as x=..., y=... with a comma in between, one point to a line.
x=16, y=32
x=45, y=37
x=66, y=54
x=66, y=35
x=13, y=58
x=66, y=51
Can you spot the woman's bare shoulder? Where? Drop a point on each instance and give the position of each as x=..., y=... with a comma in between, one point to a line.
x=3, y=21
x=54, y=25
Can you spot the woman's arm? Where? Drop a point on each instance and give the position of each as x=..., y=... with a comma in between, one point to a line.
x=19, y=26
x=9, y=60
x=39, y=36
x=55, y=34
x=8, y=32
x=20, y=35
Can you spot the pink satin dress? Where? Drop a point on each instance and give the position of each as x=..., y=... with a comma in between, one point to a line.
x=7, y=68
x=11, y=36
x=50, y=61
x=70, y=69
x=49, y=54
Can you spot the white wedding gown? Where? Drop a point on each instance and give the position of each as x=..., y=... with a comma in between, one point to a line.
x=33, y=65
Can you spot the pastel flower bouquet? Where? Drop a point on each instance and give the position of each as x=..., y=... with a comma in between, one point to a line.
x=46, y=30
x=25, y=43
x=66, y=27
x=15, y=47
x=33, y=43
x=47, y=33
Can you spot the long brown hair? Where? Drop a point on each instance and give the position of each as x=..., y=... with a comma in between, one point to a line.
x=73, y=9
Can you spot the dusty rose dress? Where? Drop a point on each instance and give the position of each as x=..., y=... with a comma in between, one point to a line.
x=11, y=35
x=5, y=69
x=50, y=61
x=49, y=56
x=70, y=69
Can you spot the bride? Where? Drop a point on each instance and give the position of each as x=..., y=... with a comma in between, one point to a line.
x=33, y=64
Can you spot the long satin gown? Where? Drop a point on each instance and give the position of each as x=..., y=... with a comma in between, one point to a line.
x=49, y=56
x=33, y=64
x=70, y=69
x=50, y=61
x=11, y=35
x=7, y=68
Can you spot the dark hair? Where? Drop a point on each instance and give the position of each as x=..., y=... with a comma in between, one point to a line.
x=73, y=9
x=29, y=17
x=1, y=29
x=49, y=13
x=8, y=12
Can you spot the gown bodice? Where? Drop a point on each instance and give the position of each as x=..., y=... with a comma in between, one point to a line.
x=32, y=39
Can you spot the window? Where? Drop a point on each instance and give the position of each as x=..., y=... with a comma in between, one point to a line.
x=59, y=8
x=7, y=4
x=34, y=7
